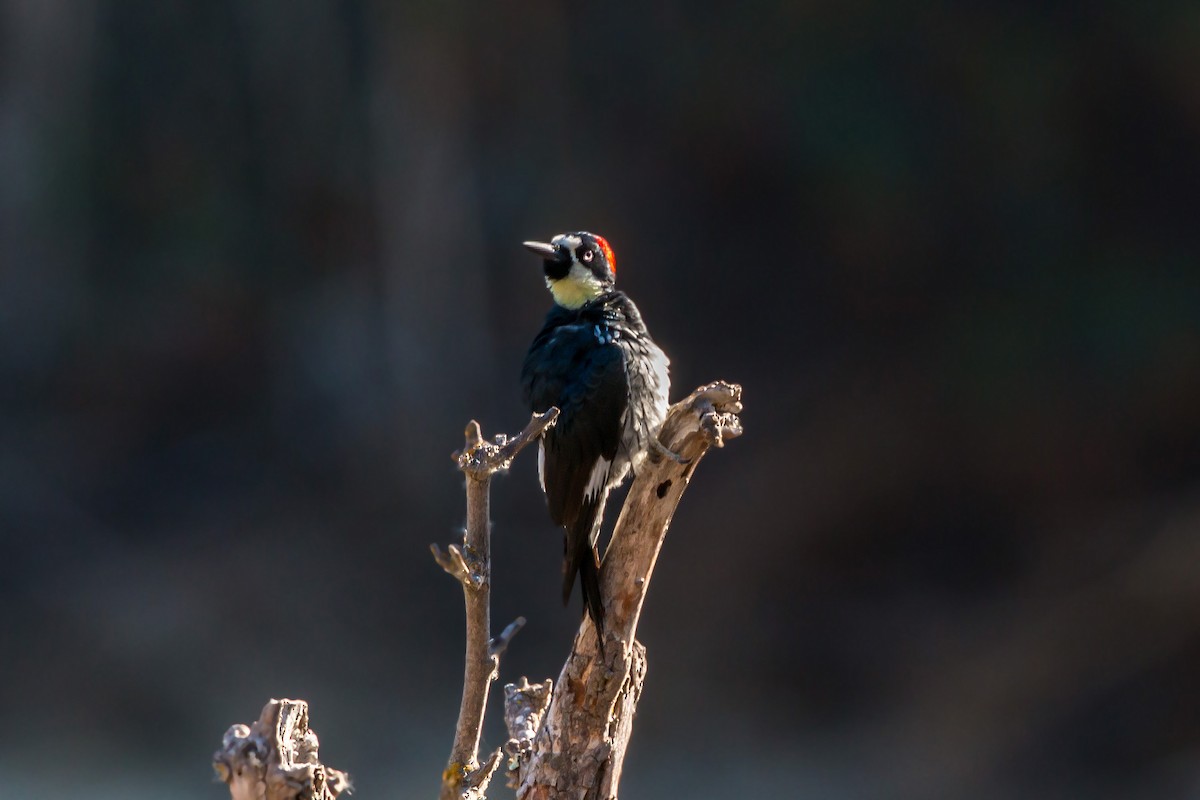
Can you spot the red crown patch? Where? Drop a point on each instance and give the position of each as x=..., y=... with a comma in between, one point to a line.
x=609, y=255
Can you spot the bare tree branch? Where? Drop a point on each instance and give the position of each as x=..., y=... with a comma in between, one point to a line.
x=580, y=745
x=465, y=778
x=498, y=645
x=566, y=743
x=276, y=758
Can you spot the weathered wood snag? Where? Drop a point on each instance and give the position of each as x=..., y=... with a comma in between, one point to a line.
x=276, y=758
x=580, y=745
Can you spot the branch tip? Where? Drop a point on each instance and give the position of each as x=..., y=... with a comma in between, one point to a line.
x=711, y=411
x=499, y=644
x=455, y=564
x=473, y=434
x=481, y=459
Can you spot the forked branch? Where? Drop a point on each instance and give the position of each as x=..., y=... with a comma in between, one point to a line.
x=580, y=743
x=465, y=777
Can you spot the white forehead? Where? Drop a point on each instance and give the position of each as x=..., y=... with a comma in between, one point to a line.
x=569, y=239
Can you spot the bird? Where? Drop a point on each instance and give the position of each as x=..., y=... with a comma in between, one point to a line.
x=593, y=359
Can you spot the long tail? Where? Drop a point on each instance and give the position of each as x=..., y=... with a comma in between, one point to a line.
x=581, y=557
x=589, y=583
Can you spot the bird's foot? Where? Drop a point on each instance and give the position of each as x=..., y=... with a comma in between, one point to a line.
x=666, y=452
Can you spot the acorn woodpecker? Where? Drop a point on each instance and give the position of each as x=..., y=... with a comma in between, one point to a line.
x=595, y=360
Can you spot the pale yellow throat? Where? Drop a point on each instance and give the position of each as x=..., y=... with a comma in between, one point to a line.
x=577, y=288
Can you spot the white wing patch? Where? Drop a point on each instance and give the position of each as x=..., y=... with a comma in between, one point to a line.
x=660, y=364
x=542, y=464
x=598, y=480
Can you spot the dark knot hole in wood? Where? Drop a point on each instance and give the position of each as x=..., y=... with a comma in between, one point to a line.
x=662, y=489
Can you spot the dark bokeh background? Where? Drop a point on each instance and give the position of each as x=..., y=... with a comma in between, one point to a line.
x=260, y=262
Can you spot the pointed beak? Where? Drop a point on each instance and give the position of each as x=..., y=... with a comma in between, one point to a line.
x=548, y=251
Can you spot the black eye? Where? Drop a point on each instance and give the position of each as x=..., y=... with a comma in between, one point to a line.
x=587, y=255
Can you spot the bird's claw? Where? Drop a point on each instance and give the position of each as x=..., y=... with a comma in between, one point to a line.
x=666, y=452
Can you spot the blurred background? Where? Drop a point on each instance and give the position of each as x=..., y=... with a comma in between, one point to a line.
x=261, y=262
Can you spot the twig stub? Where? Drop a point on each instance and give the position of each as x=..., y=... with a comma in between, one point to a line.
x=482, y=458
x=499, y=644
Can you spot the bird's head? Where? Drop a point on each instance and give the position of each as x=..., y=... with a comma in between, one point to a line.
x=579, y=267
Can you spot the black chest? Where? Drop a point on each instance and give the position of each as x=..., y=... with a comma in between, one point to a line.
x=581, y=349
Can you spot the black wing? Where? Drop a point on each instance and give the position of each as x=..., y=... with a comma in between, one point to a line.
x=567, y=367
